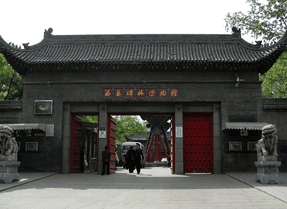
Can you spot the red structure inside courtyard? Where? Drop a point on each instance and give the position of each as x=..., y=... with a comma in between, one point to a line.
x=157, y=146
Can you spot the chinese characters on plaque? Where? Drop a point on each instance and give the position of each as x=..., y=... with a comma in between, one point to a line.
x=141, y=92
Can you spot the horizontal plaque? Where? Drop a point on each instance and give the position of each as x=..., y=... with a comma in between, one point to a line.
x=141, y=92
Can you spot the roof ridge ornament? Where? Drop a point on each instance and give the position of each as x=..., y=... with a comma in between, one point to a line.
x=258, y=43
x=236, y=32
x=26, y=45
x=48, y=33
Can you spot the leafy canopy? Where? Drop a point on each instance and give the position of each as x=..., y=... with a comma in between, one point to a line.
x=266, y=20
x=129, y=126
x=90, y=118
x=275, y=81
x=125, y=125
x=11, y=83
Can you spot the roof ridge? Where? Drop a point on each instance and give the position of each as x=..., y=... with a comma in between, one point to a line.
x=93, y=50
x=3, y=45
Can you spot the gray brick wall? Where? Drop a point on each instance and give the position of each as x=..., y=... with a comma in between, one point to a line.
x=197, y=88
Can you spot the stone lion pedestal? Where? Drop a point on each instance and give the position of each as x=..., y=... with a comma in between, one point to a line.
x=268, y=172
x=9, y=171
x=268, y=164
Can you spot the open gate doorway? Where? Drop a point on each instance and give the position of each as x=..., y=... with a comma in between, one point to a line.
x=84, y=144
x=197, y=138
x=155, y=147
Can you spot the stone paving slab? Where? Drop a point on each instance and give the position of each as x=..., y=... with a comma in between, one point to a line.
x=153, y=188
x=25, y=178
x=277, y=190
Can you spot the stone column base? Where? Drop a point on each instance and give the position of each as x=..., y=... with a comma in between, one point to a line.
x=268, y=172
x=9, y=171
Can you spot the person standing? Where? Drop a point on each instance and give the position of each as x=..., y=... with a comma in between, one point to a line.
x=106, y=160
x=82, y=159
x=124, y=160
x=117, y=159
x=130, y=160
x=138, y=156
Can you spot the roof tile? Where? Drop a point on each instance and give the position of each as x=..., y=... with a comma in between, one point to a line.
x=117, y=49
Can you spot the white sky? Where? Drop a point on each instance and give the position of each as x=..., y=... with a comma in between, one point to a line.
x=24, y=21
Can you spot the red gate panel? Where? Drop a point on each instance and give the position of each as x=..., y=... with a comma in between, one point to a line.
x=172, y=145
x=75, y=144
x=198, y=143
x=112, y=143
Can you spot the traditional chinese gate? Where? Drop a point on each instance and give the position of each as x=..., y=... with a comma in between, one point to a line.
x=76, y=144
x=112, y=143
x=198, y=143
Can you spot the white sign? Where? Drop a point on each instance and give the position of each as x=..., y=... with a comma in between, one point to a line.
x=178, y=132
x=50, y=130
x=102, y=134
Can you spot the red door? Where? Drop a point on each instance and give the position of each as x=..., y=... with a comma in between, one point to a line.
x=172, y=145
x=76, y=144
x=112, y=143
x=198, y=143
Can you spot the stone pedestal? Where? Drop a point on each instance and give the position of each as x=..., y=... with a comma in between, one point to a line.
x=9, y=171
x=268, y=172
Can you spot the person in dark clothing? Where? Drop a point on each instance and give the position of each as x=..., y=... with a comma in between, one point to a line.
x=124, y=161
x=130, y=160
x=106, y=161
x=169, y=162
x=82, y=160
x=138, y=158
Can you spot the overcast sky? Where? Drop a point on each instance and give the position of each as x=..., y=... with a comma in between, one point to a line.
x=24, y=21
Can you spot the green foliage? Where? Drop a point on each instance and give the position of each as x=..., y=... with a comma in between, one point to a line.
x=125, y=125
x=267, y=21
x=275, y=80
x=11, y=83
x=90, y=118
x=129, y=126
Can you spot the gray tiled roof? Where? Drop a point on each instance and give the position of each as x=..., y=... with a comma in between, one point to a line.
x=13, y=104
x=141, y=49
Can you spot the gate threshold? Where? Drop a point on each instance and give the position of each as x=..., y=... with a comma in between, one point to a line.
x=198, y=173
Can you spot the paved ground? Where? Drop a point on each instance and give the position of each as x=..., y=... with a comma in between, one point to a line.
x=153, y=188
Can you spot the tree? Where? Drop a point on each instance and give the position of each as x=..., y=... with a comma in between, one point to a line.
x=267, y=21
x=275, y=81
x=11, y=83
x=89, y=118
x=129, y=126
x=125, y=125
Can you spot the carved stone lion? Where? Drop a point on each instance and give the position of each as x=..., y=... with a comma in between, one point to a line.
x=8, y=144
x=267, y=145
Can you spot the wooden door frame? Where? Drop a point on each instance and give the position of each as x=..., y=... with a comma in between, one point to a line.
x=73, y=115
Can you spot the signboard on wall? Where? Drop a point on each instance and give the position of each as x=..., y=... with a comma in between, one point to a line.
x=50, y=130
x=44, y=107
x=141, y=92
x=178, y=132
x=102, y=133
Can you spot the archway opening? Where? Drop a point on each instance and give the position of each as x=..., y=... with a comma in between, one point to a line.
x=153, y=132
